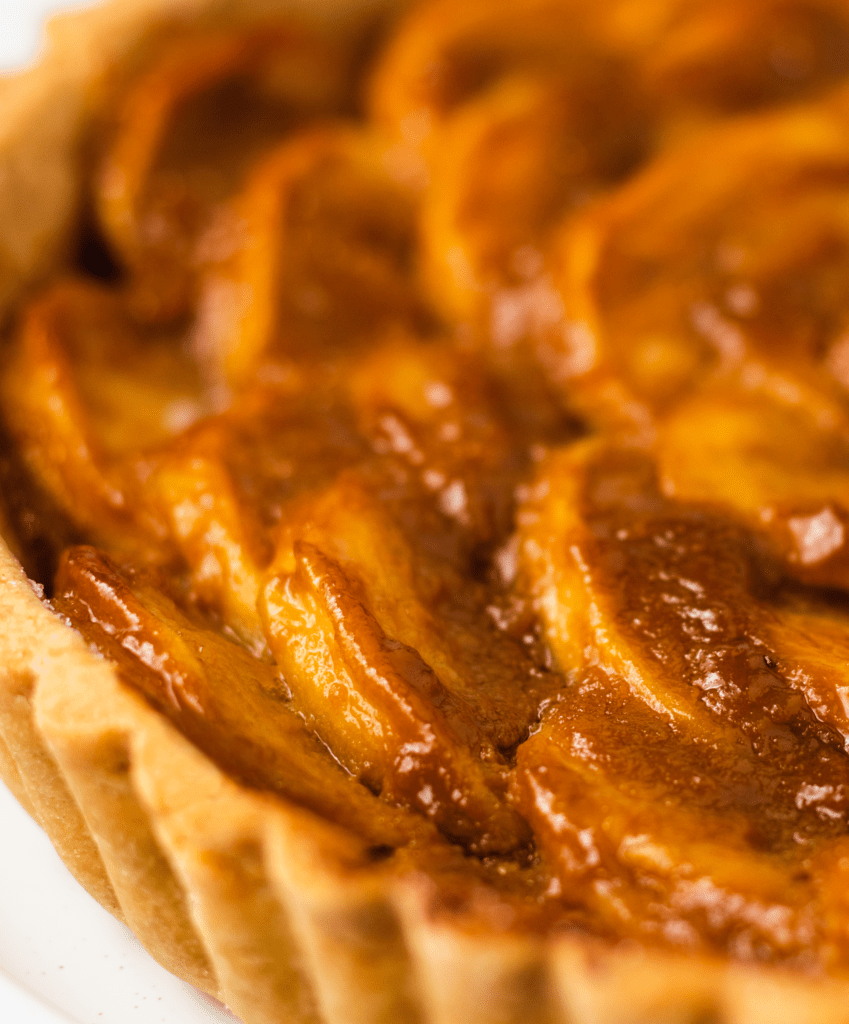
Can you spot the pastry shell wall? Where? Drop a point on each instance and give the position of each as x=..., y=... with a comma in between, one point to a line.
x=258, y=903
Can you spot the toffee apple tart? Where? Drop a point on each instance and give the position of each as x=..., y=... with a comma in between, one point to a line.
x=425, y=483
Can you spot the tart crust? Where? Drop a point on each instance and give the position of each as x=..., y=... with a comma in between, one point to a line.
x=257, y=902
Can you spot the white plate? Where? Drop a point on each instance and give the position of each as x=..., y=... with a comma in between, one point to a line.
x=63, y=959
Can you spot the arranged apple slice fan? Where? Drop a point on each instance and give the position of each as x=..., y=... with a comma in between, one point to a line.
x=472, y=473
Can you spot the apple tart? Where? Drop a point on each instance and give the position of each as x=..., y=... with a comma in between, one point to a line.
x=425, y=492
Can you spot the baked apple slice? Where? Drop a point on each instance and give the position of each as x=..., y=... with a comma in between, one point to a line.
x=224, y=700
x=664, y=286
x=397, y=662
x=440, y=58
x=694, y=778
x=593, y=553
x=687, y=65
x=185, y=134
x=223, y=487
x=319, y=259
x=437, y=417
x=211, y=529
x=717, y=59
x=680, y=600
x=774, y=456
x=86, y=392
x=511, y=164
x=701, y=846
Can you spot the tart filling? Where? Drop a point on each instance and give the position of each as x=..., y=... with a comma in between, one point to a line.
x=465, y=462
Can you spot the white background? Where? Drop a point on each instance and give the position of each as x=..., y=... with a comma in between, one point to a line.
x=21, y=23
x=59, y=948
x=63, y=959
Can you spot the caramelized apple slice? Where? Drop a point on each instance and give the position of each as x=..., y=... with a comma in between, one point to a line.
x=700, y=756
x=665, y=285
x=220, y=697
x=183, y=138
x=448, y=426
x=460, y=433
x=208, y=525
x=510, y=164
x=442, y=56
x=85, y=393
x=320, y=256
x=395, y=660
x=531, y=149
x=811, y=641
x=700, y=846
x=421, y=598
x=690, y=64
x=722, y=58
x=676, y=599
x=777, y=458
x=592, y=503
x=222, y=488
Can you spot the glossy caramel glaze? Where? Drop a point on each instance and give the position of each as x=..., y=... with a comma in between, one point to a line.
x=475, y=472
x=693, y=779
